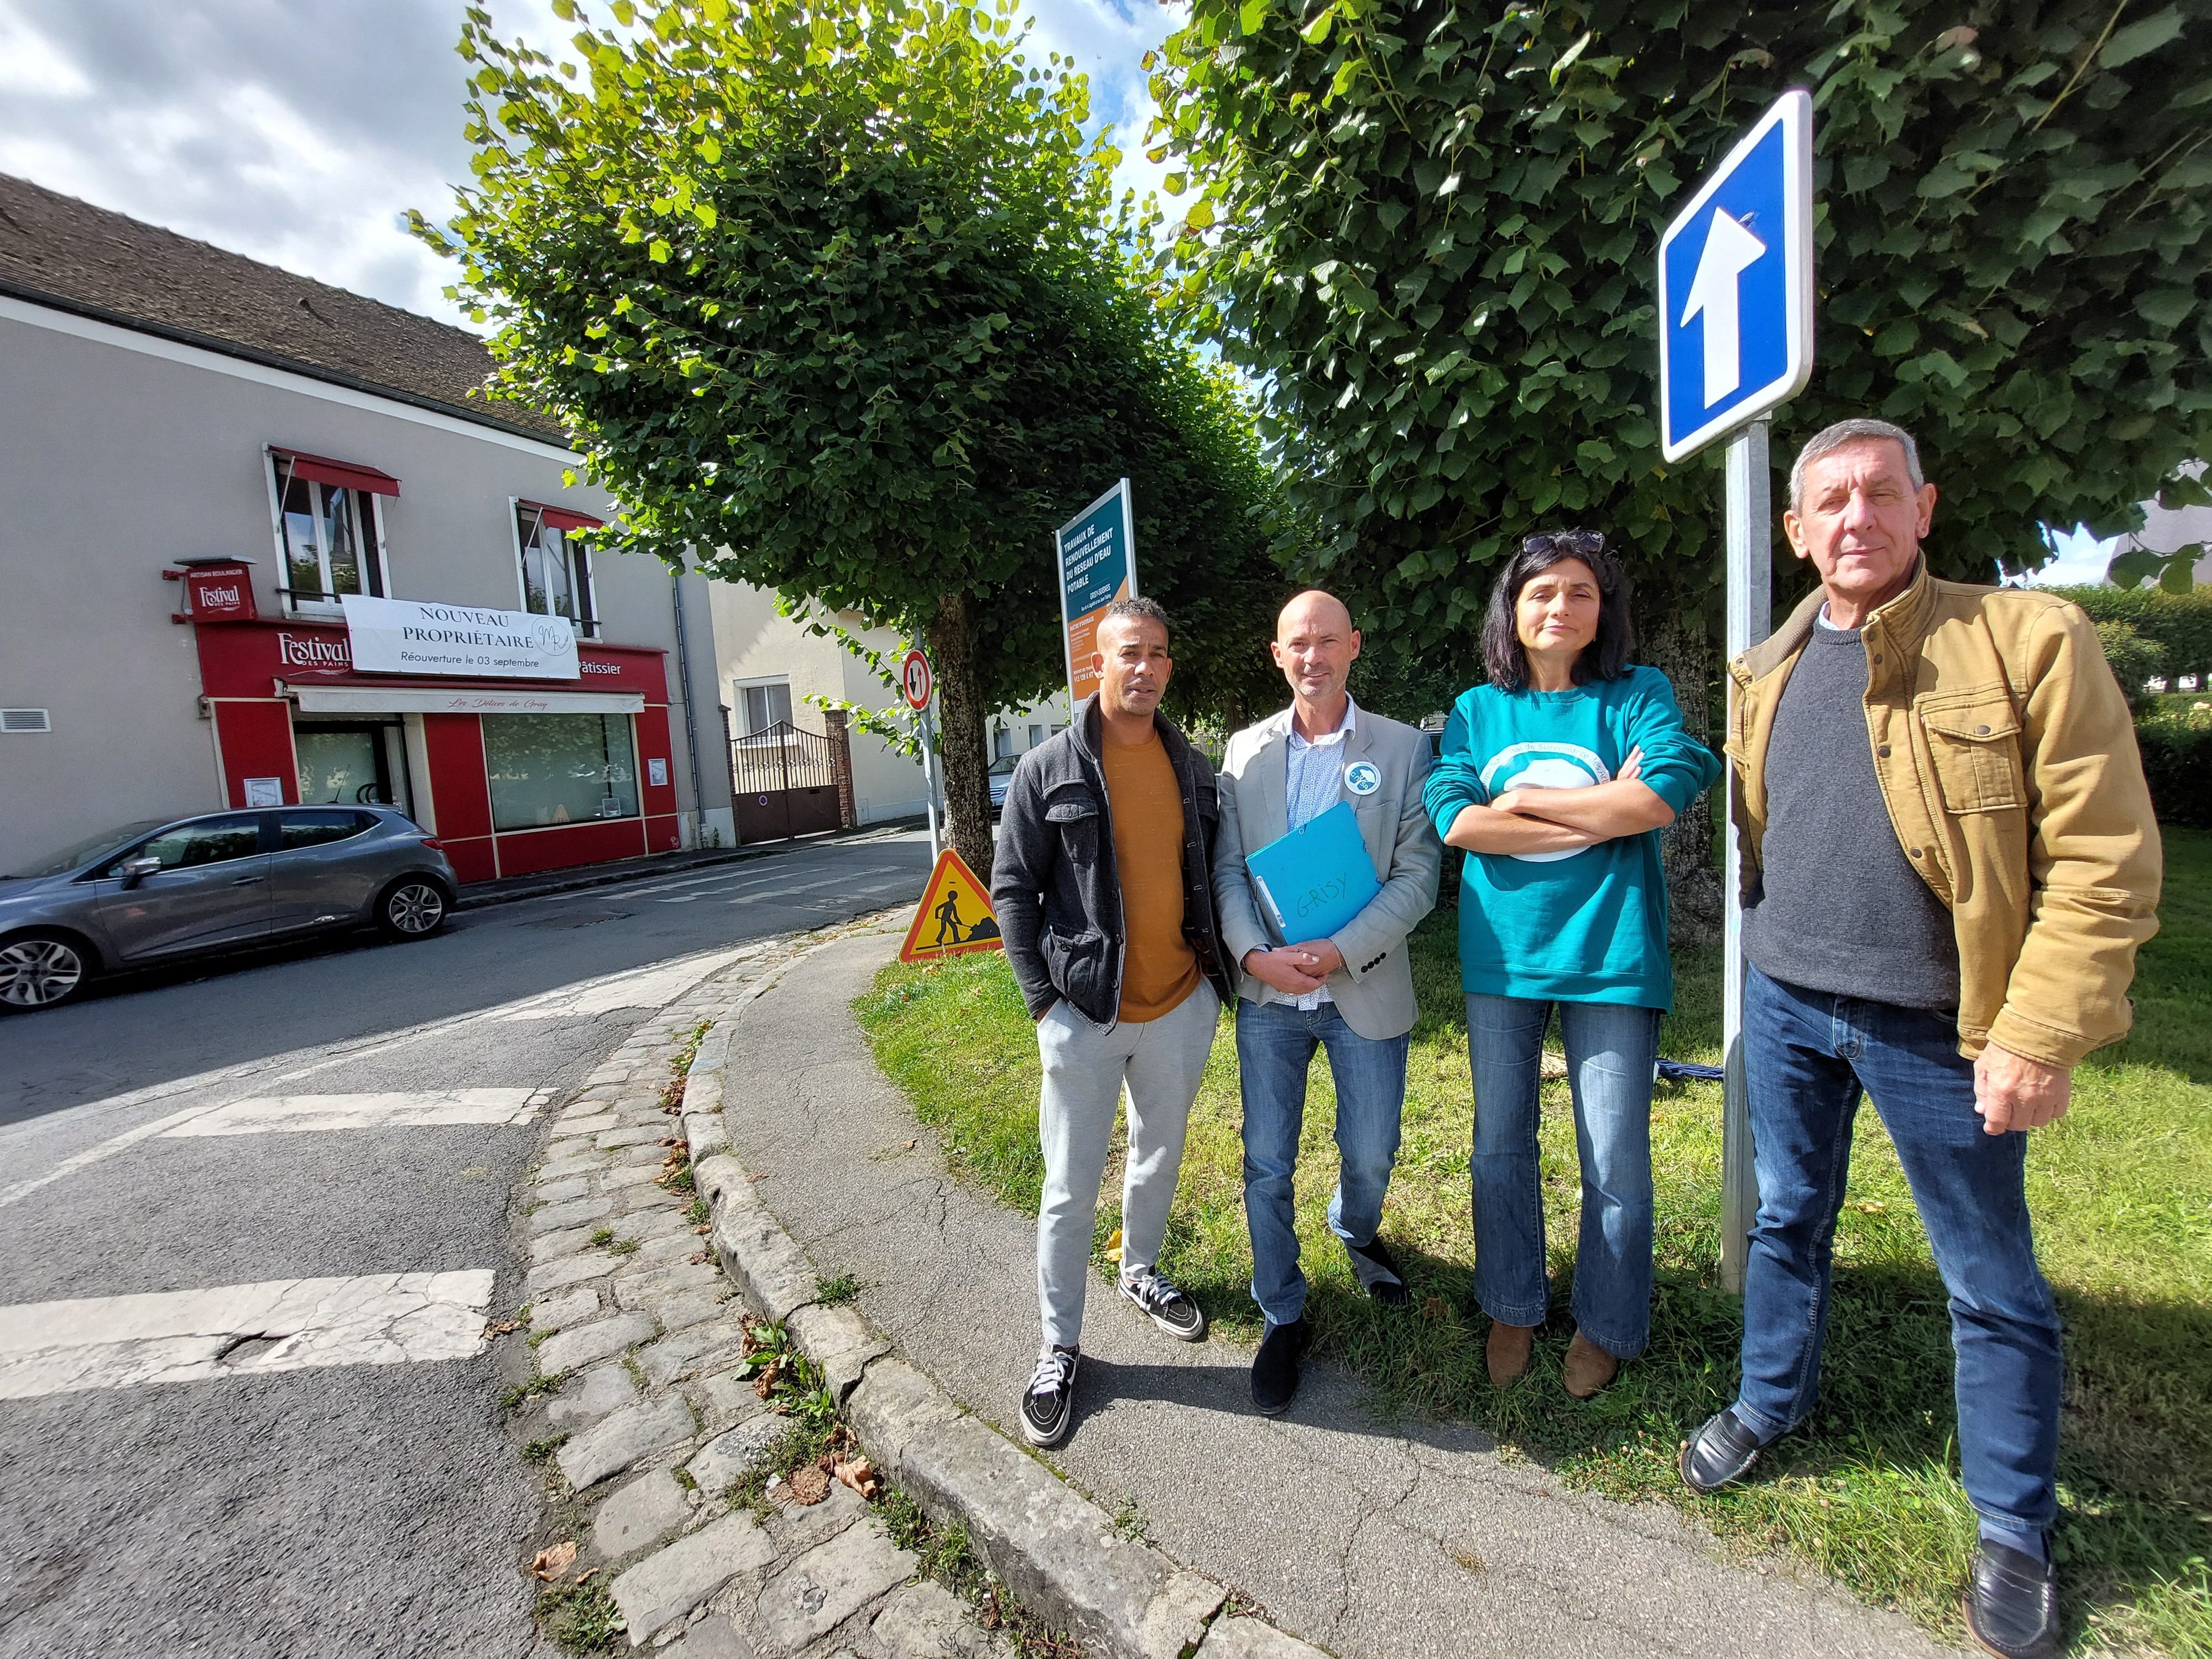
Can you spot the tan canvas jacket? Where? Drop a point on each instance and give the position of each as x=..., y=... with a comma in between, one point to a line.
x=2007, y=759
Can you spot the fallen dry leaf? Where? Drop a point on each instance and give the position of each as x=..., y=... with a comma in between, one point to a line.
x=502, y=1327
x=764, y=1384
x=554, y=1561
x=704, y=1227
x=699, y=1256
x=910, y=1146
x=587, y=1575
x=810, y=1484
x=860, y=1475
x=1434, y=1308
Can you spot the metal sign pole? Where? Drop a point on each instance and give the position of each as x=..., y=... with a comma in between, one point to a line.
x=928, y=780
x=1750, y=619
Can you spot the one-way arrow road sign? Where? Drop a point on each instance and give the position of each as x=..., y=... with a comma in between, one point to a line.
x=1736, y=285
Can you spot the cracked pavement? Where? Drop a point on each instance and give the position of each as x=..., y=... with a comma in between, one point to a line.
x=1368, y=1536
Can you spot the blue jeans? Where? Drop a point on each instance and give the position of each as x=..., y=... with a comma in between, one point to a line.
x=1275, y=1044
x=1611, y=1051
x=1807, y=1055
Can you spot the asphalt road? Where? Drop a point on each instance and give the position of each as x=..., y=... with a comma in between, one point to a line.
x=350, y=1508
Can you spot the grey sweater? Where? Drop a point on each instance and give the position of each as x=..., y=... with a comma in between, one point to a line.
x=1839, y=907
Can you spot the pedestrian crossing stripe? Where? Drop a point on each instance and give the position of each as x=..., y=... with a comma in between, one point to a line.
x=954, y=917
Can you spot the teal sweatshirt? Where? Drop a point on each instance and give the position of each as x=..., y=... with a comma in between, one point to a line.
x=1588, y=925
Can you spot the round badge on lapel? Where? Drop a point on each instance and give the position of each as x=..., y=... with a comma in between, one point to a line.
x=1362, y=777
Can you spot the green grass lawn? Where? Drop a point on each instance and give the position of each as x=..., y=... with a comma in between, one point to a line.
x=2121, y=1192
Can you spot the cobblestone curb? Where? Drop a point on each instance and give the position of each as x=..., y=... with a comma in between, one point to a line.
x=1055, y=1550
x=653, y=1420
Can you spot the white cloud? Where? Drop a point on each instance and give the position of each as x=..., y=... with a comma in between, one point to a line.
x=1107, y=39
x=2080, y=561
x=293, y=131
x=299, y=132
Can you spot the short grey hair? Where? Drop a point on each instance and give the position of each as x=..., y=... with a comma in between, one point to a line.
x=1829, y=438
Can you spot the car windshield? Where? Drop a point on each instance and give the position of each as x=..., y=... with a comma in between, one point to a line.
x=1004, y=766
x=91, y=847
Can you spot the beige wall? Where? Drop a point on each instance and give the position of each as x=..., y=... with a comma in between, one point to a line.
x=754, y=644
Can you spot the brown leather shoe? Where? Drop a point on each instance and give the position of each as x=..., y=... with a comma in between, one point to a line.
x=1588, y=1367
x=1507, y=1352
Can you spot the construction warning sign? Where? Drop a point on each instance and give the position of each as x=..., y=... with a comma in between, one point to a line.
x=954, y=916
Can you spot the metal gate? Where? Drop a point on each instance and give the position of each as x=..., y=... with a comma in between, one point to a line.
x=787, y=783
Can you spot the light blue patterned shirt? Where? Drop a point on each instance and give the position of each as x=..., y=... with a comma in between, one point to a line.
x=1316, y=783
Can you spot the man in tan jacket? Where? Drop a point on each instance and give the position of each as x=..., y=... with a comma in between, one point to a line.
x=1950, y=862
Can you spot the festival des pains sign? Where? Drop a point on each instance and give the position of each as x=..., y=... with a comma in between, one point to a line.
x=409, y=637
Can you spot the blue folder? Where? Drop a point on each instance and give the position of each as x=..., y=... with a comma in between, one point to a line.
x=1316, y=879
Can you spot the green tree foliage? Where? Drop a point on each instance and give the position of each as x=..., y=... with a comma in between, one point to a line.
x=2178, y=625
x=1428, y=228
x=838, y=299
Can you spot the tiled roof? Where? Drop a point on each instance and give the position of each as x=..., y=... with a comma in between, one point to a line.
x=55, y=249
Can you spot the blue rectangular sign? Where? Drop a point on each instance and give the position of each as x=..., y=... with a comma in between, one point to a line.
x=1736, y=285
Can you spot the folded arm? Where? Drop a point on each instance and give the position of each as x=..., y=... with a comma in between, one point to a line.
x=1626, y=805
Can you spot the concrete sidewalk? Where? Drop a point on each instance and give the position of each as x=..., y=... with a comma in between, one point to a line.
x=1367, y=1536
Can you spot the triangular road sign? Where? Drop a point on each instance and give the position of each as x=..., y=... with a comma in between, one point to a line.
x=954, y=917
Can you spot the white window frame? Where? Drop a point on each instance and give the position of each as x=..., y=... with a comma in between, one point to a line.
x=738, y=690
x=368, y=524
x=579, y=571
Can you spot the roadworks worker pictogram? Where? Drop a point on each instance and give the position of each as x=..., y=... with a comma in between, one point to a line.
x=954, y=916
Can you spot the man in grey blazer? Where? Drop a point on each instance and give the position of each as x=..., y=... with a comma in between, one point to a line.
x=1351, y=993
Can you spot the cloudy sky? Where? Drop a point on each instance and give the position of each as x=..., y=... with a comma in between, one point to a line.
x=296, y=132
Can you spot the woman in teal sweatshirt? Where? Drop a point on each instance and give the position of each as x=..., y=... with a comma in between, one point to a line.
x=1558, y=773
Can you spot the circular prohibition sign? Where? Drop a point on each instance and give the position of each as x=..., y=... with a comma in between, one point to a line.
x=915, y=679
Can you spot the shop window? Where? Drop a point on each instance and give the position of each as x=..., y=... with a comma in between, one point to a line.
x=343, y=763
x=763, y=707
x=559, y=768
x=332, y=532
x=557, y=569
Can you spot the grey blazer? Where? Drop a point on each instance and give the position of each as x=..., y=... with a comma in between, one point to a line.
x=1374, y=989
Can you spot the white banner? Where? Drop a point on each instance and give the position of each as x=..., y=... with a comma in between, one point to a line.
x=425, y=700
x=410, y=636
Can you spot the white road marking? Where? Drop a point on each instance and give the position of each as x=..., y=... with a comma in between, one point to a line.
x=240, y=1330
x=643, y=988
x=785, y=892
x=294, y=1114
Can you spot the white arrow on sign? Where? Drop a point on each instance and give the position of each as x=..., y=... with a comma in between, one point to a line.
x=1730, y=250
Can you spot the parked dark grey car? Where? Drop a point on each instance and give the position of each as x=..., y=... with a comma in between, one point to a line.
x=221, y=881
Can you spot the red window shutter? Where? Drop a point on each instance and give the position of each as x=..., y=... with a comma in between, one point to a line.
x=347, y=474
x=560, y=518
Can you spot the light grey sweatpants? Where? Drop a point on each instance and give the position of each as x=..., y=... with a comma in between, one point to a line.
x=1085, y=1068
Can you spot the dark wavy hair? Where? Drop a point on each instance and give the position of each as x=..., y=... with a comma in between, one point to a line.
x=1606, y=657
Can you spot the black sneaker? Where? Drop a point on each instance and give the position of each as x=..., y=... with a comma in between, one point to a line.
x=2012, y=1604
x=1171, y=1311
x=1378, y=1272
x=1275, y=1367
x=1048, y=1408
x=1722, y=1452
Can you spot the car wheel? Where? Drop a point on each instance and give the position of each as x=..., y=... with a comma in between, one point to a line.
x=414, y=908
x=42, y=970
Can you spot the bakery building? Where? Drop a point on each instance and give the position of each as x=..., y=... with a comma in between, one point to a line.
x=266, y=543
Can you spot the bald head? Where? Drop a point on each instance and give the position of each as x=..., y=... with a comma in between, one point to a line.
x=1315, y=646
x=1310, y=609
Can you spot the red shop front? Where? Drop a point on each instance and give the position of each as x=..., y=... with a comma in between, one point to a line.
x=512, y=776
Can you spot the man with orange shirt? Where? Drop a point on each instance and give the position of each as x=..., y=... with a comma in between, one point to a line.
x=1101, y=889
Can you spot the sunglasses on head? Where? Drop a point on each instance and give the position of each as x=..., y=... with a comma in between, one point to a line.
x=1582, y=541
